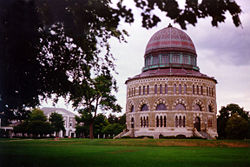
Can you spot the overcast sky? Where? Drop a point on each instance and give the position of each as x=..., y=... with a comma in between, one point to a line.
x=223, y=52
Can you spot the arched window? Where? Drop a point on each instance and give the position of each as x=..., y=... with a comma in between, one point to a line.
x=174, y=88
x=161, y=106
x=155, y=89
x=161, y=123
x=180, y=107
x=197, y=107
x=193, y=89
x=160, y=89
x=143, y=90
x=144, y=121
x=180, y=92
x=132, y=122
x=141, y=122
x=198, y=92
x=166, y=89
x=184, y=121
x=185, y=89
x=157, y=121
x=144, y=107
x=210, y=109
x=134, y=91
x=139, y=90
x=180, y=121
x=132, y=109
x=176, y=121
x=147, y=121
x=165, y=121
x=148, y=89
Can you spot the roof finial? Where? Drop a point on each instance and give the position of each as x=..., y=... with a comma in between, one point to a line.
x=170, y=25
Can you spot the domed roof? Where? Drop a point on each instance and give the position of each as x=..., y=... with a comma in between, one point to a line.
x=170, y=39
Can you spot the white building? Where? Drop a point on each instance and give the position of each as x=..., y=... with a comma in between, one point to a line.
x=68, y=117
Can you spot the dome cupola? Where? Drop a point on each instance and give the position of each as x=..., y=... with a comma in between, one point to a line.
x=170, y=48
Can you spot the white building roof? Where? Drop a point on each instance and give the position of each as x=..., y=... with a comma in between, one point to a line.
x=48, y=110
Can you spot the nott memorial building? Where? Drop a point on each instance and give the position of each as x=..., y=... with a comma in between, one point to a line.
x=171, y=97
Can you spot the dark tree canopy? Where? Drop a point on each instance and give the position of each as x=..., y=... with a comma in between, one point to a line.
x=51, y=46
x=36, y=125
x=19, y=70
x=235, y=127
x=216, y=9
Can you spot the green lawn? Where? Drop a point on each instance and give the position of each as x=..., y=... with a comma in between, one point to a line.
x=124, y=152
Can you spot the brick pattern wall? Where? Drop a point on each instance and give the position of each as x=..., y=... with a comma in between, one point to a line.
x=203, y=94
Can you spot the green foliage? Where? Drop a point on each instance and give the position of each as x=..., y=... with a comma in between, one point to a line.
x=36, y=124
x=37, y=115
x=237, y=127
x=82, y=131
x=216, y=9
x=57, y=122
x=113, y=129
x=94, y=94
x=112, y=125
x=226, y=128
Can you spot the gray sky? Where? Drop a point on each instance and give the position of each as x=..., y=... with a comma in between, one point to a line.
x=223, y=52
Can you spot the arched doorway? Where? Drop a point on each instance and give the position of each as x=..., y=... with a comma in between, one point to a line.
x=197, y=123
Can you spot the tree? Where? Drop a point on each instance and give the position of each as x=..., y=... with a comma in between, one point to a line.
x=57, y=122
x=19, y=70
x=112, y=119
x=193, y=10
x=237, y=127
x=22, y=127
x=226, y=114
x=100, y=123
x=38, y=124
x=94, y=94
x=122, y=119
x=40, y=36
x=113, y=129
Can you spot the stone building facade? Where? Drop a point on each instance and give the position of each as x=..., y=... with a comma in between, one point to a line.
x=171, y=97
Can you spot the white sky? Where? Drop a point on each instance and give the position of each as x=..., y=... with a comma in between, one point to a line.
x=223, y=52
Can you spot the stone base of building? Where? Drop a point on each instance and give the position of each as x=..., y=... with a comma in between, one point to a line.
x=156, y=133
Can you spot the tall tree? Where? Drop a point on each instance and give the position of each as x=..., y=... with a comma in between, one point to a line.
x=226, y=113
x=40, y=36
x=37, y=123
x=57, y=123
x=95, y=94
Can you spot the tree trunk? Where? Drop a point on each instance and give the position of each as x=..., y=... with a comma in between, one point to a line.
x=91, y=134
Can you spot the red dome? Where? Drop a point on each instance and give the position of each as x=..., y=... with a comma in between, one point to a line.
x=170, y=39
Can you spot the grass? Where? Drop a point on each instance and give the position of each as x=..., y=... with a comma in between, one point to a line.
x=124, y=152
